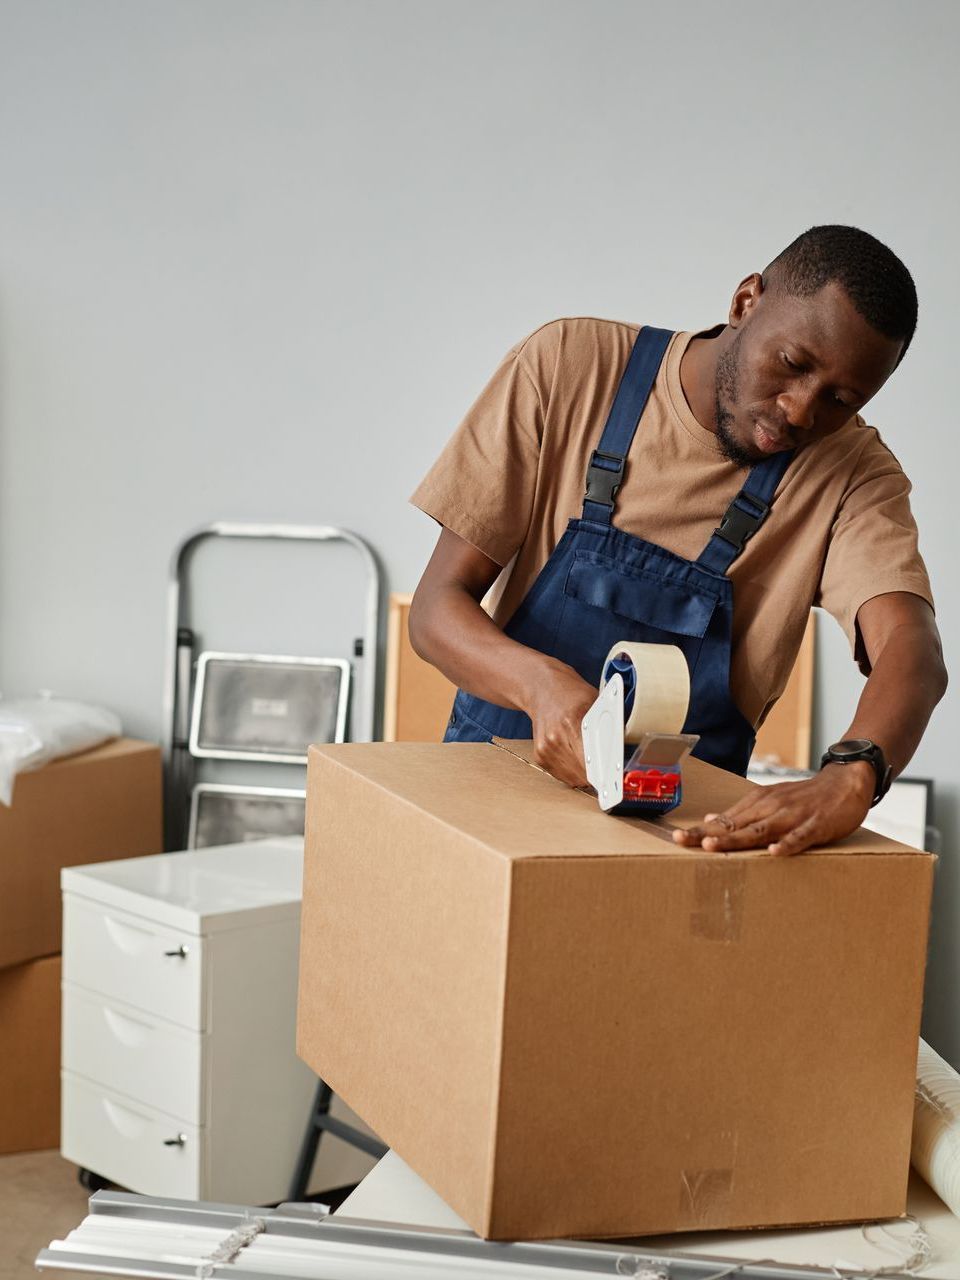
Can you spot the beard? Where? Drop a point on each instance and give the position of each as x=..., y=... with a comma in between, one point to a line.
x=725, y=393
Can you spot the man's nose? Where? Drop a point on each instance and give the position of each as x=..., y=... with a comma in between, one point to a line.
x=798, y=408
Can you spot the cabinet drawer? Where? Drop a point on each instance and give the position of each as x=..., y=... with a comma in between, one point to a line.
x=130, y=959
x=126, y=1141
x=132, y=1052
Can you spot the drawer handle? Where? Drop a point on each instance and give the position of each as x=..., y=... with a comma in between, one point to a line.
x=128, y=1123
x=179, y=1141
x=180, y=951
x=129, y=1031
x=128, y=937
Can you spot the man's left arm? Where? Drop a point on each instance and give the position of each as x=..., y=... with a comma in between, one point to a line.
x=907, y=680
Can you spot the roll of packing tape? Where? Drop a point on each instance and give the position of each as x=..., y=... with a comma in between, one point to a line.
x=656, y=687
x=935, y=1151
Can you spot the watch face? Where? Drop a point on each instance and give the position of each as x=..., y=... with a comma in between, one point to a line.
x=851, y=747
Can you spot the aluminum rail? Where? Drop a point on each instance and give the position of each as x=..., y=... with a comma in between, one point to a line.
x=358, y=1246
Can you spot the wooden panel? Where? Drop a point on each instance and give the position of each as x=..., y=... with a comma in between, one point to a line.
x=784, y=737
x=418, y=697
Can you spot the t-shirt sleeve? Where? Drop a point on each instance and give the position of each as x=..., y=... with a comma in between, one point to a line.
x=483, y=483
x=873, y=545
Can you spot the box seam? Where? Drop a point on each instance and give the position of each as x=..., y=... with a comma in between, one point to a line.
x=679, y=854
x=497, y=1092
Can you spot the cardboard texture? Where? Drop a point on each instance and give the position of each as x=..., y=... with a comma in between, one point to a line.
x=418, y=698
x=570, y=1026
x=30, y=1061
x=90, y=807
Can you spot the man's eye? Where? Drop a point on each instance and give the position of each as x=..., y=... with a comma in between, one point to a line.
x=791, y=364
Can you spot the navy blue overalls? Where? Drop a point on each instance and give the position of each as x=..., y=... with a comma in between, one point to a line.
x=602, y=585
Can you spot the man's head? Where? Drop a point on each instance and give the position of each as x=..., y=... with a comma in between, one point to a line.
x=810, y=341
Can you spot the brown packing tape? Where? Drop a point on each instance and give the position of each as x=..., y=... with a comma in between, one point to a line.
x=661, y=833
x=719, y=890
x=706, y=1191
x=704, y=1196
x=662, y=692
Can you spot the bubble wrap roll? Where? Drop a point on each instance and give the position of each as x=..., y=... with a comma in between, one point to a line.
x=661, y=687
x=935, y=1151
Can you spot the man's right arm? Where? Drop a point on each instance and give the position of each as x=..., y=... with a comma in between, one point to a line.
x=450, y=629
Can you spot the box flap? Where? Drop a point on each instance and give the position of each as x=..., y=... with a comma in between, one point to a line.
x=707, y=789
x=110, y=750
x=497, y=796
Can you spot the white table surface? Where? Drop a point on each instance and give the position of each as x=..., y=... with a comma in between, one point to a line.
x=392, y=1192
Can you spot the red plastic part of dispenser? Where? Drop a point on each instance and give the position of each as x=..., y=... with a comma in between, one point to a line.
x=650, y=784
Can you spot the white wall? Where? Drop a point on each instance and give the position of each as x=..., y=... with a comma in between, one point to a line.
x=257, y=257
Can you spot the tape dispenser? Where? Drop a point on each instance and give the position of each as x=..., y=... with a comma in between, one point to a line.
x=644, y=693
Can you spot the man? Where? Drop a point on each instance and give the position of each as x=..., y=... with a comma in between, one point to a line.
x=588, y=482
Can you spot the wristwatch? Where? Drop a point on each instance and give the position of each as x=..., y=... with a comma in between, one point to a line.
x=854, y=749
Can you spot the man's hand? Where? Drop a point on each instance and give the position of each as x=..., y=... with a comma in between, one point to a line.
x=449, y=629
x=556, y=705
x=789, y=817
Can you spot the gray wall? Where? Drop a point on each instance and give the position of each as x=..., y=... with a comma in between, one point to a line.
x=257, y=257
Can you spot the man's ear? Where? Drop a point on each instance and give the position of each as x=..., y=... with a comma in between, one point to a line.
x=748, y=294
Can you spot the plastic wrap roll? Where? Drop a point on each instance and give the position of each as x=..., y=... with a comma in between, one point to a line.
x=935, y=1151
x=656, y=687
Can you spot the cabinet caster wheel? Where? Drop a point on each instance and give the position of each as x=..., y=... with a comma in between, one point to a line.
x=91, y=1181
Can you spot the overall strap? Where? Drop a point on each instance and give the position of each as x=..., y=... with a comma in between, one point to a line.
x=746, y=513
x=605, y=472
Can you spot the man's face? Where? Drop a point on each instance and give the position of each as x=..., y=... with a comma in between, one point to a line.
x=796, y=371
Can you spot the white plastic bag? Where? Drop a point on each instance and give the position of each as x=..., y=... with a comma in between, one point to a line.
x=35, y=730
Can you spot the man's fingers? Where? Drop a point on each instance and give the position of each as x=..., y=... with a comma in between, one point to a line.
x=688, y=836
x=784, y=819
x=795, y=841
x=755, y=835
x=719, y=826
x=743, y=807
x=723, y=832
x=762, y=802
x=562, y=761
x=714, y=824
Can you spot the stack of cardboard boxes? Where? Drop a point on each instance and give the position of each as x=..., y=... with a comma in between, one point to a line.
x=90, y=807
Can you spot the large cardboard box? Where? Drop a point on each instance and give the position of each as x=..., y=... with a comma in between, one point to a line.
x=30, y=1056
x=570, y=1026
x=91, y=807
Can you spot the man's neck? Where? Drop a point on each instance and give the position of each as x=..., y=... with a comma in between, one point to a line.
x=698, y=376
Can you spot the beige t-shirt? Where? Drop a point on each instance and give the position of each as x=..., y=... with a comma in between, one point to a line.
x=840, y=530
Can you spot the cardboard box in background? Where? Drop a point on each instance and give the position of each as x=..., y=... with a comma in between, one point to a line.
x=570, y=1026
x=418, y=697
x=784, y=738
x=90, y=807
x=30, y=1056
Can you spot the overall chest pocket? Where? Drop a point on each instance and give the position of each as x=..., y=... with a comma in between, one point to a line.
x=604, y=603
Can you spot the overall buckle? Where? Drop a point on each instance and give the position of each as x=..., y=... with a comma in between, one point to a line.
x=603, y=478
x=739, y=524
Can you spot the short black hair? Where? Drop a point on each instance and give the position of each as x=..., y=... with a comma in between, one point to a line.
x=873, y=277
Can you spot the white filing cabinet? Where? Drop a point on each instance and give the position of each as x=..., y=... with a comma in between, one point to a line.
x=180, y=1075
